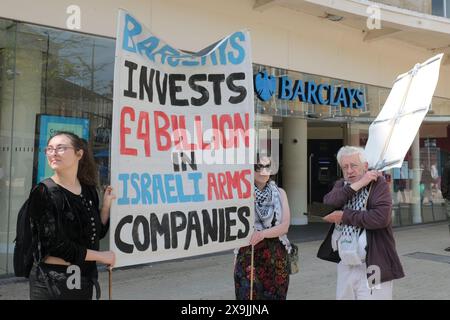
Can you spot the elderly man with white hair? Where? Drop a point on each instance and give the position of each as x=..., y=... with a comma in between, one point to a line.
x=360, y=239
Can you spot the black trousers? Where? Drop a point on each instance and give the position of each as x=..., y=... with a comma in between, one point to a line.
x=50, y=282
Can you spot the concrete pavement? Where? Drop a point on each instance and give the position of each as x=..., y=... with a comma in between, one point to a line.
x=426, y=264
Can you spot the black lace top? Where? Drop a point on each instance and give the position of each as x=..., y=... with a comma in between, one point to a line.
x=70, y=233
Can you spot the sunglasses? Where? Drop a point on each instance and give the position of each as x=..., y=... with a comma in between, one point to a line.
x=259, y=166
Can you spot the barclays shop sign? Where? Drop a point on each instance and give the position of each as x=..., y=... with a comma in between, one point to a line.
x=308, y=91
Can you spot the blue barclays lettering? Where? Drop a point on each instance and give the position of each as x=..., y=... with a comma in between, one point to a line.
x=285, y=88
x=332, y=95
x=312, y=96
x=299, y=91
x=229, y=51
x=341, y=97
x=157, y=188
x=359, y=99
x=320, y=90
x=353, y=96
x=308, y=91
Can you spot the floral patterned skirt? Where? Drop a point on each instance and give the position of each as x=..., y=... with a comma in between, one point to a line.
x=271, y=276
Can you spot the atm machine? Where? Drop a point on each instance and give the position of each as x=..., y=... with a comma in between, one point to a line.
x=323, y=169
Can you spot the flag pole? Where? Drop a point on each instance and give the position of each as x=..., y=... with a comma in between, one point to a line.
x=251, y=272
x=110, y=282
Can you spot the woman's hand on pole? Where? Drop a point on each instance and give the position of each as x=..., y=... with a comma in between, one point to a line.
x=257, y=237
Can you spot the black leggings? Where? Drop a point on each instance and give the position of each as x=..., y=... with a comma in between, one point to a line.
x=49, y=282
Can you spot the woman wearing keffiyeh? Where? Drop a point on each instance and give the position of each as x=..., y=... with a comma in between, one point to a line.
x=271, y=245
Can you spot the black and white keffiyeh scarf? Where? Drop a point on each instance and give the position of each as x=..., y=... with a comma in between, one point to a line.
x=268, y=210
x=357, y=202
x=267, y=206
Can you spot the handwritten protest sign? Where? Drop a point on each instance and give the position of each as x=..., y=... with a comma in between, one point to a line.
x=394, y=129
x=182, y=148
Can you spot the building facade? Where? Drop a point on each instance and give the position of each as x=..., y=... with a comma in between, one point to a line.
x=57, y=60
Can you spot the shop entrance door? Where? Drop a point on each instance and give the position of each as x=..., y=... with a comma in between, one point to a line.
x=323, y=169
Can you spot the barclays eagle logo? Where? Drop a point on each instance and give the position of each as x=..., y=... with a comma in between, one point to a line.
x=265, y=85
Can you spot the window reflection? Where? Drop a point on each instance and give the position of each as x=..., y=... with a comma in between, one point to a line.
x=77, y=81
x=52, y=72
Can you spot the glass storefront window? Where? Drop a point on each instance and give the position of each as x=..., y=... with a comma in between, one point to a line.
x=440, y=8
x=7, y=72
x=44, y=71
x=416, y=189
x=77, y=76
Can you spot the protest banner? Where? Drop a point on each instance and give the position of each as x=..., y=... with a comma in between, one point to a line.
x=393, y=131
x=182, y=146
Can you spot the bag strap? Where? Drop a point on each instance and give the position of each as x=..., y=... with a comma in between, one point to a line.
x=53, y=188
x=59, y=203
x=49, y=185
x=274, y=219
x=57, y=195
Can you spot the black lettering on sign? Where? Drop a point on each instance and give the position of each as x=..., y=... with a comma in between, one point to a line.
x=202, y=86
x=186, y=160
x=146, y=85
x=198, y=88
x=123, y=246
x=238, y=89
x=141, y=246
x=216, y=79
x=242, y=213
x=161, y=229
x=221, y=225
x=229, y=223
x=174, y=228
x=173, y=89
x=175, y=162
x=131, y=67
x=193, y=225
x=210, y=227
x=161, y=91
